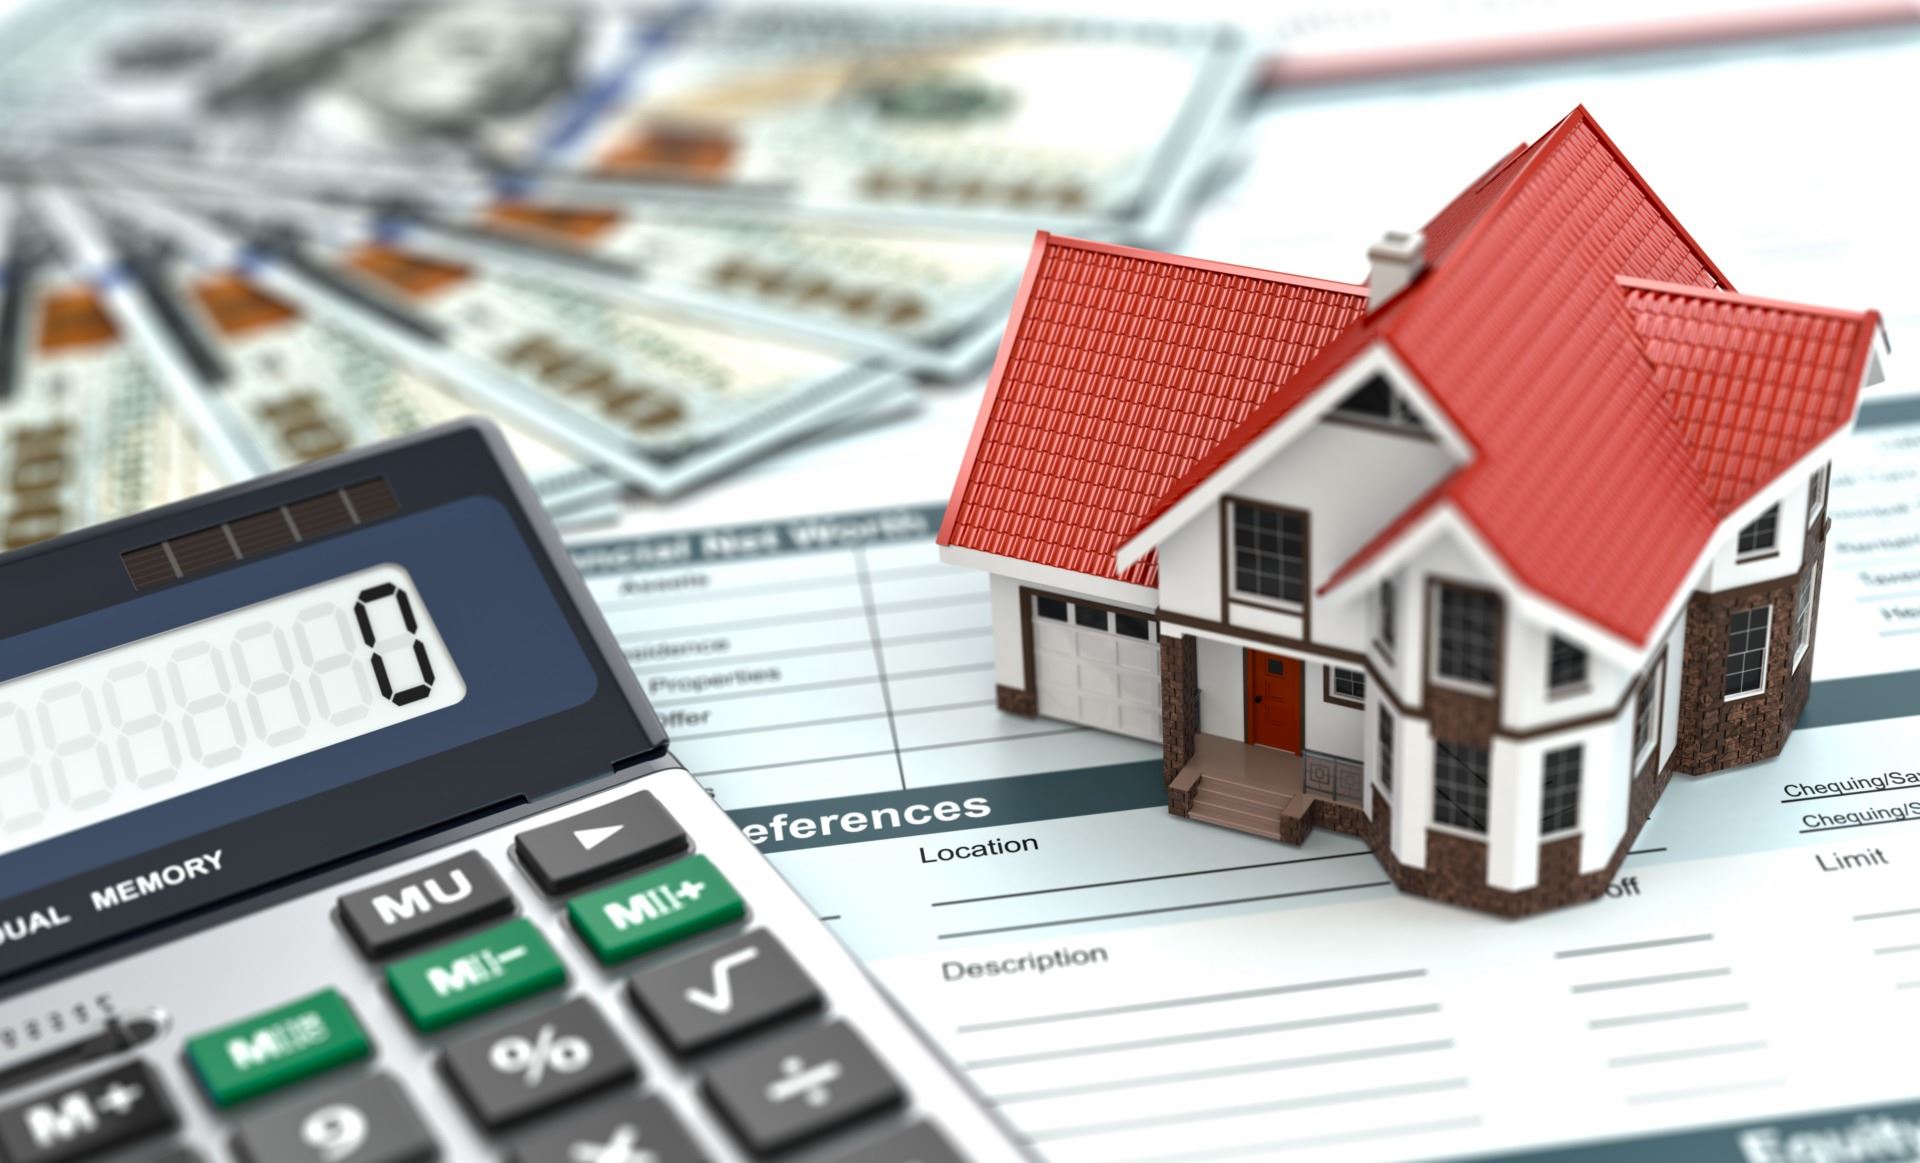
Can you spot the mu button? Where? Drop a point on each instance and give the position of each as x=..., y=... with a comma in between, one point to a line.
x=594, y=844
x=423, y=905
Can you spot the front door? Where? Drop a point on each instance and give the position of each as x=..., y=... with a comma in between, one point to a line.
x=1273, y=700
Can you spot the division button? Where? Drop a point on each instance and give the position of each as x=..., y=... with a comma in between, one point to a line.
x=537, y=1063
x=97, y=1113
x=470, y=976
x=627, y=1130
x=281, y=1046
x=598, y=843
x=723, y=992
x=655, y=909
x=919, y=1143
x=424, y=905
x=369, y=1120
x=800, y=1085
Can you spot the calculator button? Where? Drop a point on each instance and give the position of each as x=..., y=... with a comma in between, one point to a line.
x=721, y=992
x=919, y=1143
x=537, y=1063
x=800, y=1085
x=606, y=840
x=281, y=1046
x=369, y=1120
x=423, y=905
x=654, y=909
x=97, y=1113
x=473, y=975
x=630, y=1130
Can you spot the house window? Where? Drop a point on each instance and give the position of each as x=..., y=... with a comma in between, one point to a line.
x=1269, y=553
x=1092, y=617
x=1376, y=402
x=1348, y=685
x=1804, y=596
x=1386, y=747
x=1131, y=626
x=1816, y=494
x=1643, y=717
x=1460, y=785
x=1566, y=664
x=1052, y=608
x=1389, y=612
x=1467, y=629
x=1761, y=536
x=1747, y=650
x=1560, y=790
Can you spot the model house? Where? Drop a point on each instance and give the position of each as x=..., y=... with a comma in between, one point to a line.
x=1467, y=560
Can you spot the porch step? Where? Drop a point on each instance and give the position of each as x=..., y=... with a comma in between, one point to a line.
x=1262, y=824
x=1239, y=796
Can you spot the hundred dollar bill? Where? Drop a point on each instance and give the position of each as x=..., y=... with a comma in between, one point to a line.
x=930, y=299
x=85, y=431
x=1025, y=119
x=289, y=384
x=659, y=400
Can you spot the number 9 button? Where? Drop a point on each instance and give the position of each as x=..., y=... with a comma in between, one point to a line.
x=368, y=1120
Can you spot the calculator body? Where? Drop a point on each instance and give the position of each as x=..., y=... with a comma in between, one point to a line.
x=333, y=791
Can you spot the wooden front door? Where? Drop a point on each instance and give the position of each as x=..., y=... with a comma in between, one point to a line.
x=1273, y=700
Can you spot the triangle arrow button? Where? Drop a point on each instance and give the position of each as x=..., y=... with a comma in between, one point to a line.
x=591, y=838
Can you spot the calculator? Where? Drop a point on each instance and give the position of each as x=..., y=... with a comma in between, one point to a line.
x=334, y=828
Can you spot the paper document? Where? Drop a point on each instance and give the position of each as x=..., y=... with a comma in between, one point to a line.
x=1125, y=985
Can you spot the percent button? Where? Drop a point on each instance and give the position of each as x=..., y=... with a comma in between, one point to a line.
x=507, y=1074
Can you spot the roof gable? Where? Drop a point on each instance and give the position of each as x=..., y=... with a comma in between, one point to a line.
x=1122, y=367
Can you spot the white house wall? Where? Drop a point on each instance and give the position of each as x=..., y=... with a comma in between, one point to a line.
x=1222, y=676
x=1352, y=480
x=1331, y=728
x=1009, y=645
x=1728, y=572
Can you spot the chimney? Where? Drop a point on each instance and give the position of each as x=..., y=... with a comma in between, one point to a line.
x=1396, y=260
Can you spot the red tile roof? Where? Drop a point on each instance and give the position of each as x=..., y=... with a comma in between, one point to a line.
x=1122, y=368
x=1619, y=397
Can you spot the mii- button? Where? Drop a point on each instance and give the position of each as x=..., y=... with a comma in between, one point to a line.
x=454, y=982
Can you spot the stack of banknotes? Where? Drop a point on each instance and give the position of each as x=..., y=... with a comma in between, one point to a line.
x=654, y=241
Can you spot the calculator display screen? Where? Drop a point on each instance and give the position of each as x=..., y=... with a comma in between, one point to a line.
x=219, y=698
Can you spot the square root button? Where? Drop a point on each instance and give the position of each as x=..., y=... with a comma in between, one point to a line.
x=722, y=992
x=793, y=1088
x=611, y=838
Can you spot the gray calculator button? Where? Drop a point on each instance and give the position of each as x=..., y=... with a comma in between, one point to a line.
x=598, y=843
x=369, y=1120
x=629, y=1130
x=97, y=1113
x=412, y=909
x=537, y=1063
x=919, y=1143
x=723, y=991
x=799, y=1085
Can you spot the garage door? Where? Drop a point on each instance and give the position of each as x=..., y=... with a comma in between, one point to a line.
x=1097, y=666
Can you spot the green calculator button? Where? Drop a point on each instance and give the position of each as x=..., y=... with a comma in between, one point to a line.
x=666, y=905
x=271, y=1049
x=454, y=982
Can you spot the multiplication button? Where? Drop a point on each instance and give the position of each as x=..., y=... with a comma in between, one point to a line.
x=368, y=1120
x=581, y=849
x=722, y=992
x=95, y=1114
x=628, y=1130
x=532, y=1065
x=800, y=1085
